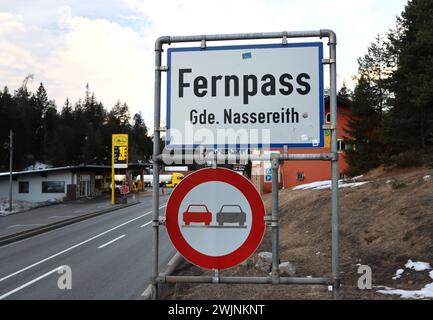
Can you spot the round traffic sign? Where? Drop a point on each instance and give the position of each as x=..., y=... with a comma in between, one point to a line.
x=124, y=189
x=215, y=218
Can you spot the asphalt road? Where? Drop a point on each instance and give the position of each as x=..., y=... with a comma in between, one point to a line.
x=109, y=256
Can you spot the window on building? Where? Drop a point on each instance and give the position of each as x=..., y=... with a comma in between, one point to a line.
x=300, y=176
x=53, y=187
x=341, y=145
x=328, y=118
x=23, y=187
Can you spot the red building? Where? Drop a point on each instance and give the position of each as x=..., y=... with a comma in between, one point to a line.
x=294, y=173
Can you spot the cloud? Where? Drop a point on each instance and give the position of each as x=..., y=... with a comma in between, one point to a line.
x=15, y=61
x=67, y=44
x=111, y=58
x=355, y=22
x=116, y=61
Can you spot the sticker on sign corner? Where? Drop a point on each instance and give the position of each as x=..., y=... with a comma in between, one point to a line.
x=315, y=142
x=247, y=55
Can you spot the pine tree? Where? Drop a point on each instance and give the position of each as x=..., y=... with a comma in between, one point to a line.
x=409, y=124
x=363, y=130
x=79, y=133
x=371, y=99
x=120, y=113
x=376, y=67
x=344, y=92
x=141, y=142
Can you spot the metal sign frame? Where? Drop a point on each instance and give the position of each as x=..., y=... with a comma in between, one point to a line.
x=279, y=144
x=275, y=158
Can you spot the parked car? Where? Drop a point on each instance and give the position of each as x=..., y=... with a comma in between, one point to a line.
x=231, y=214
x=198, y=213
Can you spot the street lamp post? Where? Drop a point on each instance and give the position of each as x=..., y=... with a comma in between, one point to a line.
x=10, y=168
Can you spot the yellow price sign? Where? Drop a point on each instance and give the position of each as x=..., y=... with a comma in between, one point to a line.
x=120, y=150
x=119, y=158
x=123, y=154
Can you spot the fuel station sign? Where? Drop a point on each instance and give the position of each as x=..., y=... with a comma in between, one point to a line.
x=120, y=151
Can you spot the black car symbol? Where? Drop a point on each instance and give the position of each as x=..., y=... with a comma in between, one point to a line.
x=231, y=214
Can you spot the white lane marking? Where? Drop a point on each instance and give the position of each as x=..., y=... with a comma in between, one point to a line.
x=55, y=230
x=25, y=225
x=110, y=242
x=30, y=283
x=74, y=246
x=146, y=224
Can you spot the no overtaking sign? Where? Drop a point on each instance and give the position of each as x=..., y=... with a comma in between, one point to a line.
x=215, y=218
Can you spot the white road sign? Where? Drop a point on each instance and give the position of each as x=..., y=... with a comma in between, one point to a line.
x=240, y=95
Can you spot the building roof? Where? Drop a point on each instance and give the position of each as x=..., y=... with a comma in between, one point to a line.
x=68, y=168
x=71, y=168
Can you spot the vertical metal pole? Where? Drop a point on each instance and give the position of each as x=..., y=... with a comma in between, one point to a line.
x=334, y=164
x=113, y=185
x=285, y=151
x=11, y=148
x=155, y=186
x=275, y=223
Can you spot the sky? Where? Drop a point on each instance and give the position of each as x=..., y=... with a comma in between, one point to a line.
x=110, y=44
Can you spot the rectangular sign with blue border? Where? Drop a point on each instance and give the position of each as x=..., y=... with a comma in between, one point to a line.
x=250, y=96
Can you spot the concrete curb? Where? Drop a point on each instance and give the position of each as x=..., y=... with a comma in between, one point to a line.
x=175, y=261
x=56, y=225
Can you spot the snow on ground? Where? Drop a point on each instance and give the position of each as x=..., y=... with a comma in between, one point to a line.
x=322, y=185
x=20, y=205
x=418, y=266
x=398, y=274
x=38, y=166
x=17, y=206
x=426, y=292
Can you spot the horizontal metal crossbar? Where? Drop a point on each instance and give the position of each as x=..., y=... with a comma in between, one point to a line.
x=251, y=157
x=247, y=36
x=244, y=280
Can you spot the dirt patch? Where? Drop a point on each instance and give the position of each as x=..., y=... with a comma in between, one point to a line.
x=381, y=226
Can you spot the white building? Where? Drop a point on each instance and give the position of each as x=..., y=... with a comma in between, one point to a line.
x=56, y=183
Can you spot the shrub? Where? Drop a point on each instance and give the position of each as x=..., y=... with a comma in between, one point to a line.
x=407, y=159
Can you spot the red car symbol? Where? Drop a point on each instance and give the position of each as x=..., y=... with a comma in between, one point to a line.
x=197, y=213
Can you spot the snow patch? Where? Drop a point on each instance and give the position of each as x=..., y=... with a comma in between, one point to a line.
x=326, y=184
x=17, y=206
x=21, y=205
x=398, y=274
x=38, y=166
x=417, y=266
x=425, y=292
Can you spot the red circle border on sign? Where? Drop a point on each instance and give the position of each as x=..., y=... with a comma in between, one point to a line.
x=257, y=226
